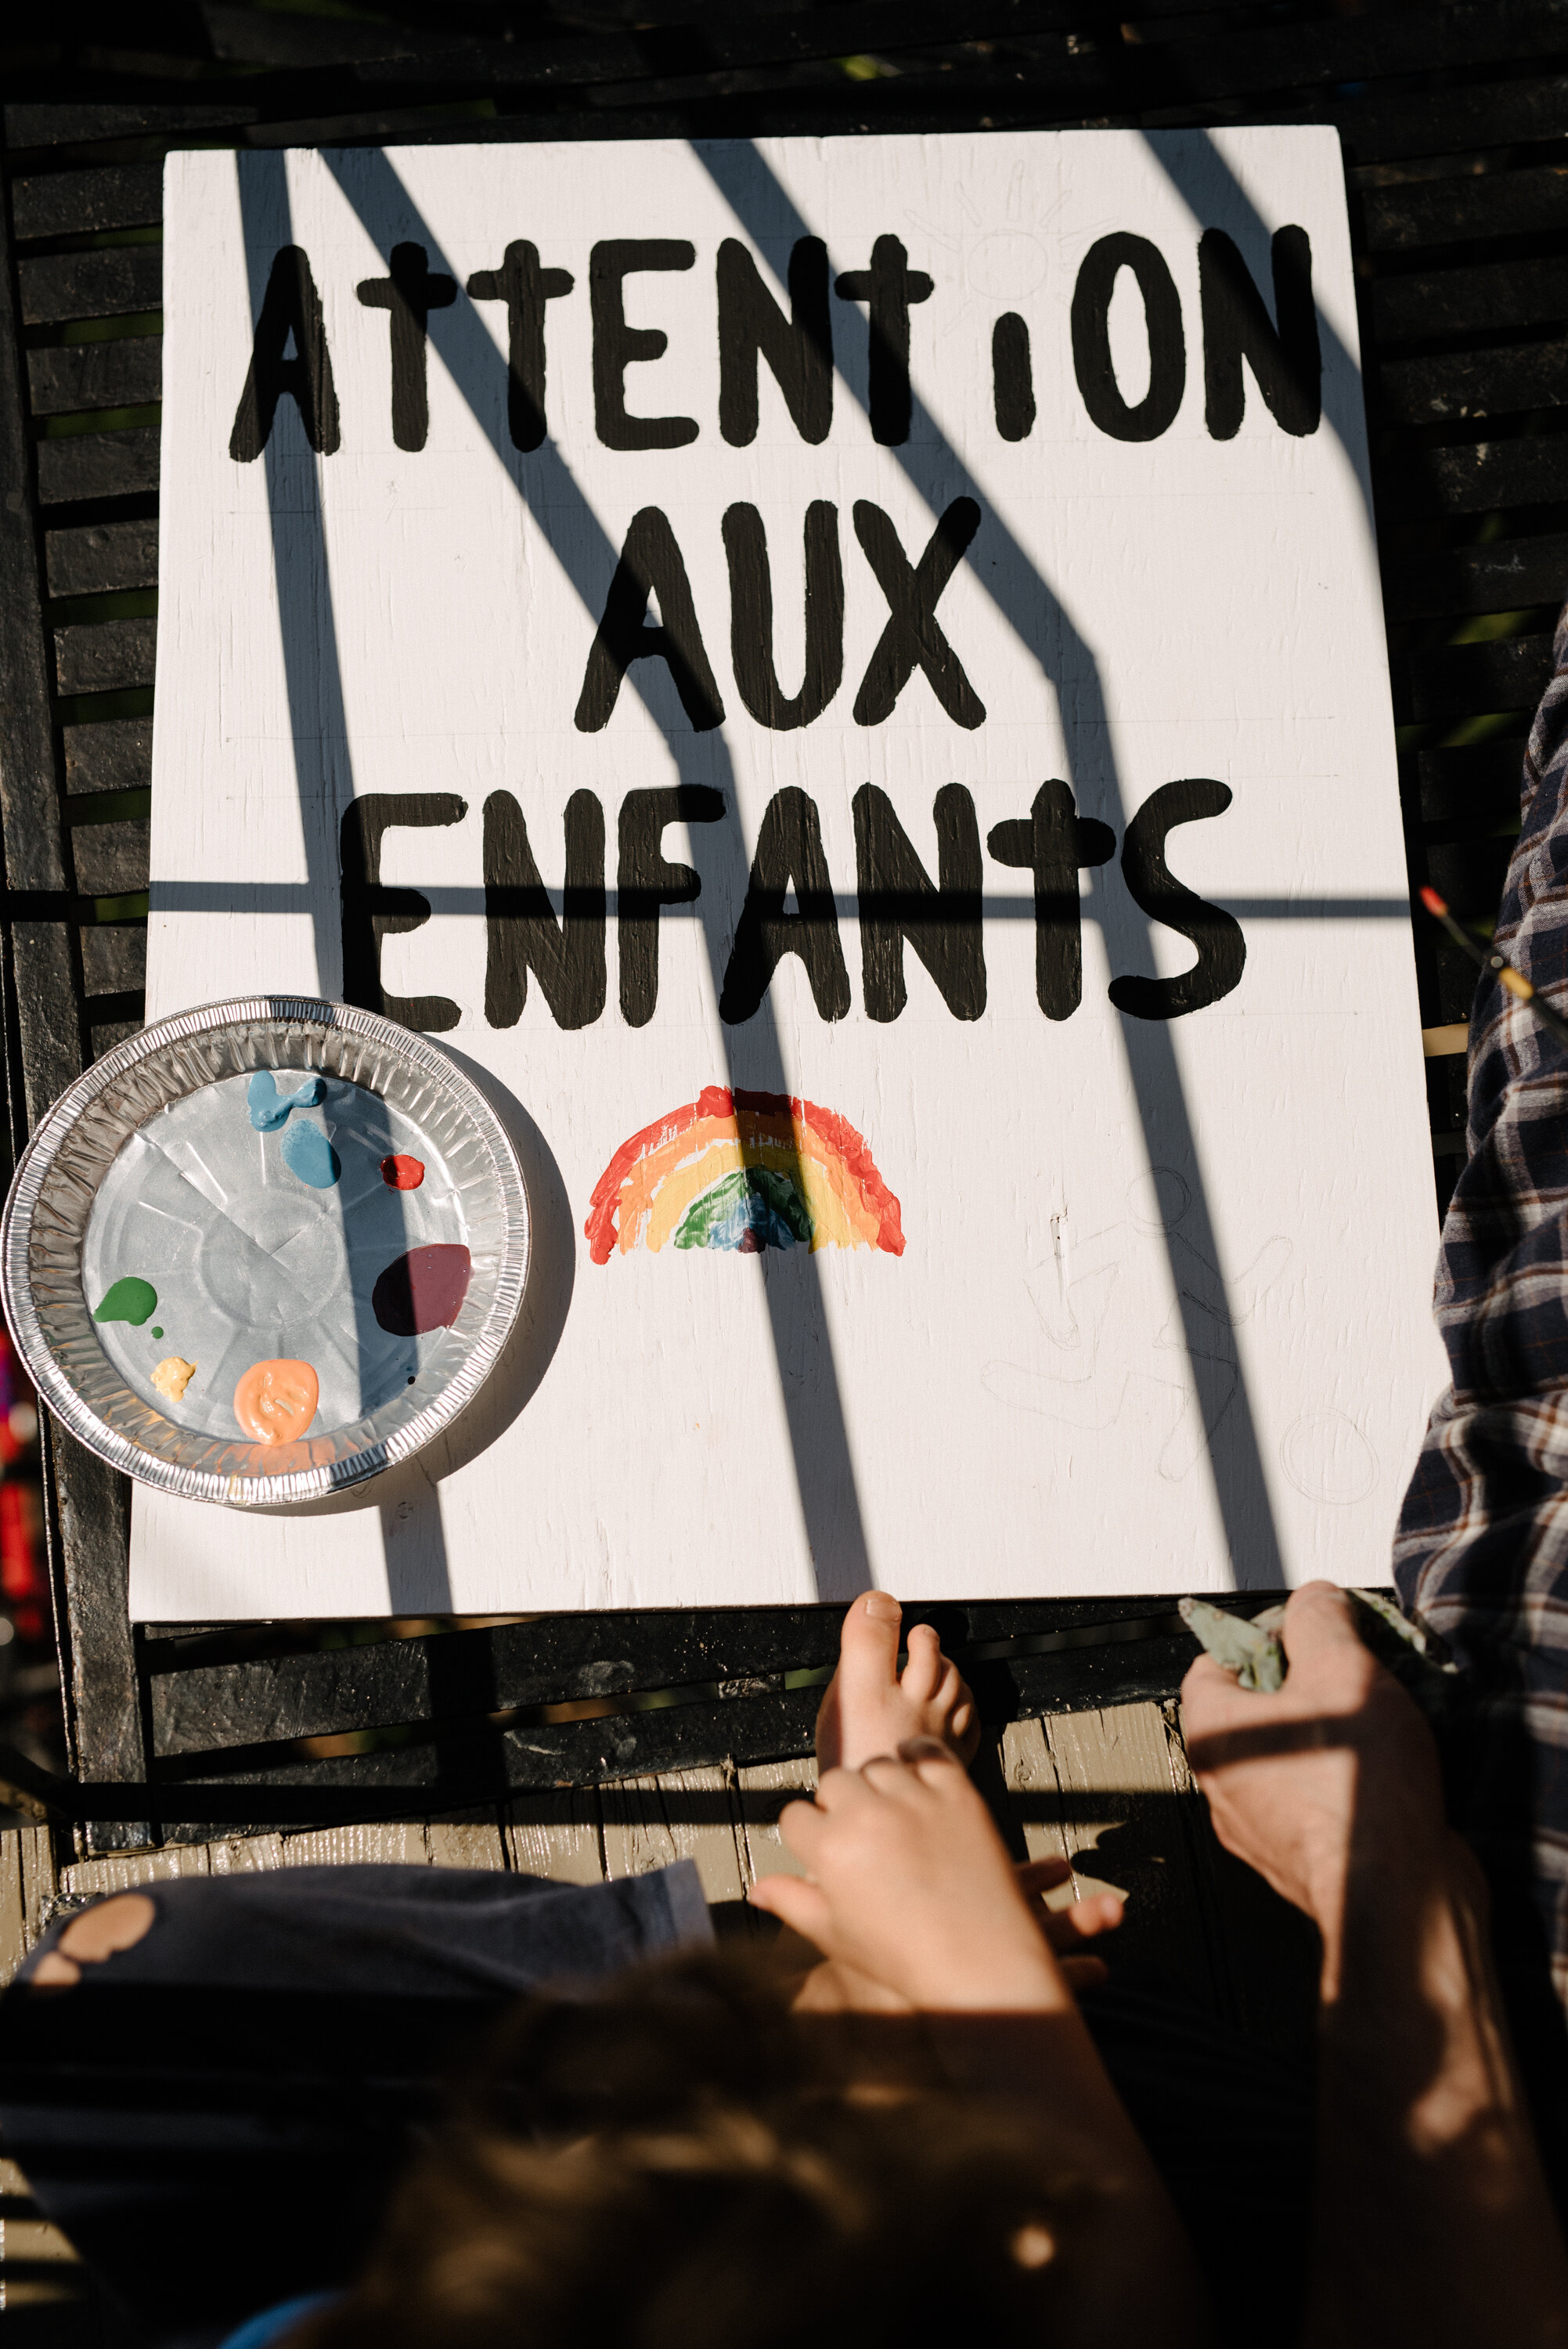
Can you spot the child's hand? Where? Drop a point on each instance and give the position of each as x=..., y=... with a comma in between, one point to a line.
x=909, y=1883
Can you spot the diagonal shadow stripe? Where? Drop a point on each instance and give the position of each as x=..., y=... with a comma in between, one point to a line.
x=319, y=729
x=818, y=1436
x=1045, y=627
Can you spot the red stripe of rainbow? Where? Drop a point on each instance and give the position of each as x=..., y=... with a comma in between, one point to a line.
x=849, y=1149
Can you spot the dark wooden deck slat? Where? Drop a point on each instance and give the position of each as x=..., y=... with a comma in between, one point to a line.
x=101, y=559
x=1478, y=477
x=1488, y=297
x=92, y=465
x=555, y=1659
x=112, y=860
x=113, y=284
x=75, y=378
x=1472, y=681
x=1480, y=785
x=1464, y=387
x=108, y=657
x=1508, y=574
x=1377, y=127
x=78, y=124
x=1466, y=210
x=112, y=757
x=89, y=202
x=473, y=1759
x=1470, y=209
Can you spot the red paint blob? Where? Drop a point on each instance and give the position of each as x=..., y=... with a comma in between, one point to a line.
x=403, y=1173
x=422, y=1290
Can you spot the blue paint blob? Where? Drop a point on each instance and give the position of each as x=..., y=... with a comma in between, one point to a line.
x=308, y=1153
x=270, y=1109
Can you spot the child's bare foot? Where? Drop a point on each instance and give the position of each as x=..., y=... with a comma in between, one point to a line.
x=870, y=1708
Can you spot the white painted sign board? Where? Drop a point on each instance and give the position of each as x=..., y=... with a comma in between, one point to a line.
x=1086, y=1245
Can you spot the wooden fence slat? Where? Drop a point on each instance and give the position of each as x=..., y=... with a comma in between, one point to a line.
x=125, y=373
x=112, y=858
x=1099, y=1790
x=1504, y=576
x=107, y=657
x=1465, y=209
x=101, y=559
x=397, y=1842
x=113, y=283
x=76, y=203
x=1477, y=477
x=1464, y=386
x=115, y=755
x=471, y=1838
x=1464, y=679
x=762, y=1788
x=122, y=1871
x=98, y=465
x=555, y=1836
x=642, y=1829
x=1485, y=298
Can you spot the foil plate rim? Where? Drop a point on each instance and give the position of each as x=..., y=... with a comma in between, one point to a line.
x=39, y=1162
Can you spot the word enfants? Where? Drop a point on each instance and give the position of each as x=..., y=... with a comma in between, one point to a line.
x=897, y=903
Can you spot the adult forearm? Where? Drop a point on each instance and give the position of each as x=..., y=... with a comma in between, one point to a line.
x=1433, y=2223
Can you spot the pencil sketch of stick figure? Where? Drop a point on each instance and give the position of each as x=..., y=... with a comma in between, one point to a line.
x=1093, y=1298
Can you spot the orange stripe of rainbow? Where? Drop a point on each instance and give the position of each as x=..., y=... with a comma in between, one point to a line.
x=654, y=1177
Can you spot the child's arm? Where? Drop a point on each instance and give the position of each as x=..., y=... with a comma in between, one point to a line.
x=909, y=1885
x=1433, y=2223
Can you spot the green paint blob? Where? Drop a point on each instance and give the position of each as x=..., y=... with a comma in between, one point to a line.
x=128, y=1300
x=158, y=1333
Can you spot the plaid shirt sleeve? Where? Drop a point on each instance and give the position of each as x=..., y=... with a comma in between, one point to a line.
x=1481, y=1550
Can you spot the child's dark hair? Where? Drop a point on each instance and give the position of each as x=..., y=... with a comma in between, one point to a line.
x=677, y=2163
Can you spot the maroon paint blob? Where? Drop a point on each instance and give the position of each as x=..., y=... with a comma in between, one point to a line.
x=422, y=1290
x=403, y=1173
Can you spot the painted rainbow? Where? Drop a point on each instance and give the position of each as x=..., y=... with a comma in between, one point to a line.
x=745, y=1172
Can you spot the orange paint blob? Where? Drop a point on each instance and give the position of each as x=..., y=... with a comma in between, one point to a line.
x=275, y=1402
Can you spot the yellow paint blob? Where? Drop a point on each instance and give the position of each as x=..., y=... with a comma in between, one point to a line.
x=275, y=1402
x=173, y=1376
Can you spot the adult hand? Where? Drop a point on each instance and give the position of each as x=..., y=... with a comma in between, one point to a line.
x=908, y=1883
x=1333, y=1777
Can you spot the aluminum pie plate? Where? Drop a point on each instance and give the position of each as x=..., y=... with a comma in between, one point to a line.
x=149, y=1169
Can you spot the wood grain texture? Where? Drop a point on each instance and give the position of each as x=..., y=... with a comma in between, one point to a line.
x=471, y=1838
x=125, y=373
x=643, y=1828
x=108, y=657
x=762, y=1789
x=116, y=756
x=1465, y=209
x=1100, y=1789
x=123, y=1871
x=28, y=1885
x=99, y=1660
x=105, y=284
x=394, y=1842
x=90, y=465
x=555, y=1836
x=1463, y=386
x=79, y=204
x=1464, y=679
x=1475, y=478
x=111, y=858
x=1504, y=576
x=1492, y=297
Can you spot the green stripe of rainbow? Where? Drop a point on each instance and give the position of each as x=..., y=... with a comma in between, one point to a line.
x=651, y=1180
